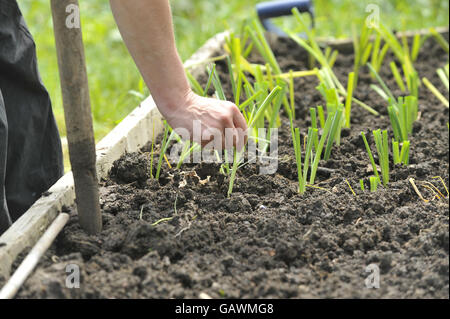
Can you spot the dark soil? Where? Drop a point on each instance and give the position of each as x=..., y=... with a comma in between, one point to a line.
x=267, y=240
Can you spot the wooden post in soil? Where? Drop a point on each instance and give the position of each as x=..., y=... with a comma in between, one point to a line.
x=77, y=111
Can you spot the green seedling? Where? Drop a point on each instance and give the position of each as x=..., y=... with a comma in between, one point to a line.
x=369, y=152
x=374, y=181
x=361, y=184
x=334, y=131
x=331, y=124
x=402, y=53
x=400, y=156
x=397, y=76
x=188, y=149
x=350, y=186
x=253, y=119
x=152, y=151
x=312, y=112
x=418, y=41
x=348, y=100
x=164, y=145
x=435, y=91
x=378, y=53
x=362, y=48
x=381, y=143
x=402, y=111
x=321, y=114
x=311, y=46
x=257, y=35
x=404, y=155
x=387, y=92
x=194, y=84
x=402, y=114
x=443, y=75
x=302, y=170
x=440, y=39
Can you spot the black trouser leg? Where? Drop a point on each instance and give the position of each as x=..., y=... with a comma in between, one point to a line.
x=5, y=220
x=34, y=156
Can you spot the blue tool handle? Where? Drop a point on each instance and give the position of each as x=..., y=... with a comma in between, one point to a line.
x=273, y=9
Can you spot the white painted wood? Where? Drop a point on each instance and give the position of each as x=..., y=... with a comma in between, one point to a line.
x=26, y=267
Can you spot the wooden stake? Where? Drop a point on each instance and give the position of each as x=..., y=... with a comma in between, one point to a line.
x=26, y=267
x=77, y=111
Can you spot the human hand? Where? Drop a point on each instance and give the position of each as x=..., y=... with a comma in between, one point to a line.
x=206, y=120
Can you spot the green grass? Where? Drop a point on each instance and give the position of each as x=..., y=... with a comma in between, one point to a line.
x=115, y=84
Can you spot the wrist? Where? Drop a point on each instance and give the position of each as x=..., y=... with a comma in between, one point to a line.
x=174, y=101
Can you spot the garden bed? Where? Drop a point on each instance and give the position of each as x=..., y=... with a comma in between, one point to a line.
x=268, y=241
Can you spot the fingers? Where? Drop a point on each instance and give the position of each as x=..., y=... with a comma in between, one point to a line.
x=235, y=127
x=230, y=137
x=241, y=128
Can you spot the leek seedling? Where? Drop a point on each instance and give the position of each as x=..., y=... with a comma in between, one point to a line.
x=362, y=48
x=373, y=183
x=401, y=52
x=350, y=186
x=440, y=39
x=152, y=152
x=254, y=117
x=312, y=112
x=298, y=158
x=216, y=83
x=395, y=152
x=372, y=161
x=321, y=115
x=443, y=75
x=221, y=96
x=435, y=91
x=291, y=95
x=418, y=41
x=384, y=87
x=302, y=175
x=361, y=184
x=330, y=122
x=194, y=84
x=402, y=114
x=314, y=49
x=296, y=74
x=403, y=156
x=186, y=152
x=164, y=145
x=210, y=77
x=378, y=54
x=257, y=35
x=335, y=127
x=348, y=101
x=397, y=76
x=381, y=143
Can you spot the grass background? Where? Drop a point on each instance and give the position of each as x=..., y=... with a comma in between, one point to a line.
x=115, y=84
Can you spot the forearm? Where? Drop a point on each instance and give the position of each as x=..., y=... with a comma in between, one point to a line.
x=146, y=28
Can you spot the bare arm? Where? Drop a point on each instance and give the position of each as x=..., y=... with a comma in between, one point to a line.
x=146, y=28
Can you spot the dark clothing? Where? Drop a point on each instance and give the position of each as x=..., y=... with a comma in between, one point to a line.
x=30, y=146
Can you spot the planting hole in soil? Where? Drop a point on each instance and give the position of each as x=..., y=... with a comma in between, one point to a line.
x=182, y=235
